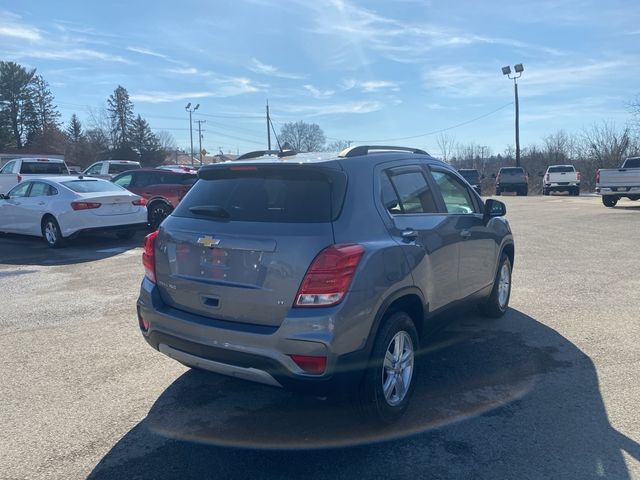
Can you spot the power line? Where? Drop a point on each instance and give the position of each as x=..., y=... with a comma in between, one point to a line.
x=434, y=132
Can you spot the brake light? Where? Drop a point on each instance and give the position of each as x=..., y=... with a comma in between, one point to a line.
x=85, y=205
x=149, y=256
x=329, y=276
x=314, y=365
x=498, y=179
x=598, y=176
x=546, y=178
x=141, y=202
x=19, y=178
x=578, y=176
x=526, y=178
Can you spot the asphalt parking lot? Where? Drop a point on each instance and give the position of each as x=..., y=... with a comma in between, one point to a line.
x=549, y=391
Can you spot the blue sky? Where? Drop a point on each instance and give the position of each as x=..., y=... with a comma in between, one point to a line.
x=364, y=71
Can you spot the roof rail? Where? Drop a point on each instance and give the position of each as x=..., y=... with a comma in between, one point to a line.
x=365, y=149
x=262, y=153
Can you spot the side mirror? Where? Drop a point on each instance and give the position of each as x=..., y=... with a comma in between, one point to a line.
x=494, y=208
x=3, y=196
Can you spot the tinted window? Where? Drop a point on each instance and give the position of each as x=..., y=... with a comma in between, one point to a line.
x=8, y=168
x=455, y=194
x=286, y=195
x=561, y=169
x=47, y=168
x=632, y=163
x=144, y=179
x=512, y=170
x=88, y=186
x=121, y=167
x=177, y=178
x=20, y=190
x=412, y=192
x=124, y=180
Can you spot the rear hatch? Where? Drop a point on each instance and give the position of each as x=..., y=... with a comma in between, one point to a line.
x=239, y=244
x=621, y=177
x=562, y=175
x=512, y=175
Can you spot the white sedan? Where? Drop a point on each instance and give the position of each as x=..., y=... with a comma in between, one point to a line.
x=60, y=207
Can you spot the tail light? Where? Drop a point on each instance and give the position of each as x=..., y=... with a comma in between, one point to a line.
x=314, y=365
x=19, y=177
x=598, y=176
x=526, y=178
x=546, y=178
x=141, y=202
x=578, y=176
x=329, y=276
x=498, y=179
x=149, y=256
x=85, y=205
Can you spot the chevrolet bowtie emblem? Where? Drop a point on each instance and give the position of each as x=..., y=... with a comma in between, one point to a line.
x=208, y=241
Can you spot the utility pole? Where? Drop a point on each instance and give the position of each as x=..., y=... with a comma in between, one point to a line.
x=518, y=73
x=191, y=110
x=200, y=122
x=268, y=128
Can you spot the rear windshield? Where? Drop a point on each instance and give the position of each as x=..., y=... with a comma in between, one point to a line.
x=267, y=194
x=561, y=169
x=122, y=167
x=469, y=174
x=89, y=186
x=632, y=163
x=512, y=170
x=44, y=168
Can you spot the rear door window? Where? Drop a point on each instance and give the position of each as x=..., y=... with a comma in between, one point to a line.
x=40, y=189
x=144, y=179
x=406, y=191
x=44, y=168
x=124, y=180
x=266, y=194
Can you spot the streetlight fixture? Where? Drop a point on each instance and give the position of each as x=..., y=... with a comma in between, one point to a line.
x=191, y=110
x=519, y=68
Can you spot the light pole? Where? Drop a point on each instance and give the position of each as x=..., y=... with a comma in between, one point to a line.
x=191, y=110
x=518, y=73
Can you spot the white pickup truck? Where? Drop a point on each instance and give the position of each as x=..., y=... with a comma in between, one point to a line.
x=14, y=171
x=615, y=183
x=107, y=169
x=561, y=178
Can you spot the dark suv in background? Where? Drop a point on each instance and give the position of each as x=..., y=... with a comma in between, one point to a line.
x=512, y=179
x=322, y=274
x=473, y=177
x=162, y=189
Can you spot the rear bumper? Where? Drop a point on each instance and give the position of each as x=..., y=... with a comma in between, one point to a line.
x=511, y=187
x=72, y=223
x=561, y=186
x=619, y=191
x=112, y=228
x=254, y=353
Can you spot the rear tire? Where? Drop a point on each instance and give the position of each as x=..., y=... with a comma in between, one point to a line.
x=545, y=191
x=634, y=198
x=609, y=200
x=51, y=232
x=157, y=213
x=497, y=303
x=390, y=376
x=498, y=192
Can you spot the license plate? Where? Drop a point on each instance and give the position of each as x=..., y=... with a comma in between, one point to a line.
x=621, y=189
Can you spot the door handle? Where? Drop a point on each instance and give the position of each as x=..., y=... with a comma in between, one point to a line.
x=42, y=203
x=465, y=234
x=409, y=234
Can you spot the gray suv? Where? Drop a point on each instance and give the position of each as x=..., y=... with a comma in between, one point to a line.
x=322, y=273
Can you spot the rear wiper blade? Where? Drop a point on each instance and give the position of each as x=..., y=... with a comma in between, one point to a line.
x=210, y=211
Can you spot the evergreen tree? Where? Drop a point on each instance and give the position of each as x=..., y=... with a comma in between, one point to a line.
x=17, y=112
x=45, y=112
x=120, y=109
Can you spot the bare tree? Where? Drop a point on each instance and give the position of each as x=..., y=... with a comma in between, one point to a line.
x=167, y=141
x=302, y=136
x=446, y=143
x=338, y=145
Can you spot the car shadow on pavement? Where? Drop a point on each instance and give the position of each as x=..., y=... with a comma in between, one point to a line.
x=26, y=250
x=507, y=398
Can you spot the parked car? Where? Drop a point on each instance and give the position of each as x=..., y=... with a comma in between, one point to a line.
x=14, y=171
x=322, y=273
x=107, y=169
x=472, y=176
x=561, y=178
x=57, y=208
x=180, y=168
x=512, y=179
x=162, y=189
x=616, y=183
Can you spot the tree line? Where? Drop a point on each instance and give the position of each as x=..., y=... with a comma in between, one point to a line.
x=30, y=122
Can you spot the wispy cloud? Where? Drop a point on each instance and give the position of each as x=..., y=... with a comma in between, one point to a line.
x=11, y=26
x=74, y=54
x=333, y=109
x=146, y=51
x=219, y=88
x=371, y=85
x=317, y=93
x=257, y=66
x=186, y=71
